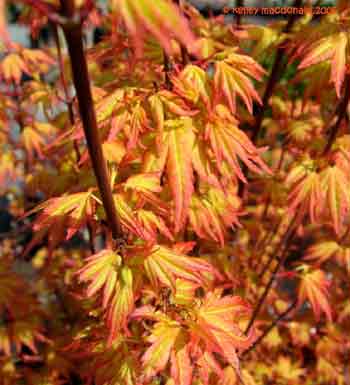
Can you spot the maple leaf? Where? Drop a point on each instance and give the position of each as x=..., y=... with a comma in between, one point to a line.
x=306, y=194
x=211, y=215
x=128, y=216
x=328, y=371
x=300, y=333
x=122, y=303
x=166, y=104
x=264, y=38
x=229, y=143
x=175, y=104
x=181, y=365
x=114, y=151
x=327, y=249
x=165, y=265
x=101, y=270
x=184, y=291
x=231, y=79
x=12, y=67
x=72, y=210
x=105, y=272
x=7, y=167
x=144, y=182
x=160, y=18
x=109, y=104
x=114, y=367
x=336, y=186
x=203, y=164
x=193, y=84
x=331, y=47
x=314, y=288
x=179, y=139
x=230, y=377
x=287, y=370
x=151, y=223
x=217, y=324
x=163, y=337
x=37, y=59
x=33, y=142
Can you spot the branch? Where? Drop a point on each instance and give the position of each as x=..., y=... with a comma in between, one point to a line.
x=274, y=76
x=285, y=241
x=239, y=4
x=267, y=331
x=74, y=38
x=341, y=113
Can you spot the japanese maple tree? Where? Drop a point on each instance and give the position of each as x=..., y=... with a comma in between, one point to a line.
x=179, y=196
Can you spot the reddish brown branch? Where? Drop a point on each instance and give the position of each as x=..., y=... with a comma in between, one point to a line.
x=283, y=243
x=341, y=114
x=267, y=331
x=274, y=76
x=239, y=4
x=73, y=34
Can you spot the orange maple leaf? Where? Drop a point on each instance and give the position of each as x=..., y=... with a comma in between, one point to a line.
x=160, y=18
x=314, y=288
x=332, y=48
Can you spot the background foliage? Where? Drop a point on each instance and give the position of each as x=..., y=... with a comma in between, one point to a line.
x=175, y=196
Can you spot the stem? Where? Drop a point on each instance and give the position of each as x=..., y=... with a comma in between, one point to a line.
x=267, y=331
x=91, y=238
x=276, y=71
x=74, y=38
x=285, y=241
x=167, y=69
x=274, y=76
x=341, y=112
x=63, y=79
x=239, y=4
x=68, y=100
x=268, y=202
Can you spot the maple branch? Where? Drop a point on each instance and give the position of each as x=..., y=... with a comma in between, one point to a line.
x=268, y=330
x=68, y=100
x=284, y=241
x=341, y=111
x=239, y=4
x=74, y=38
x=274, y=75
x=167, y=70
x=63, y=79
x=259, y=110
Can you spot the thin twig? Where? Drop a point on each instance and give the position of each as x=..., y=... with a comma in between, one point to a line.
x=68, y=100
x=341, y=114
x=285, y=241
x=239, y=4
x=268, y=330
x=167, y=69
x=274, y=75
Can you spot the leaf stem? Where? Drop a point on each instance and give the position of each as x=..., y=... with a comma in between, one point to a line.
x=74, y=38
